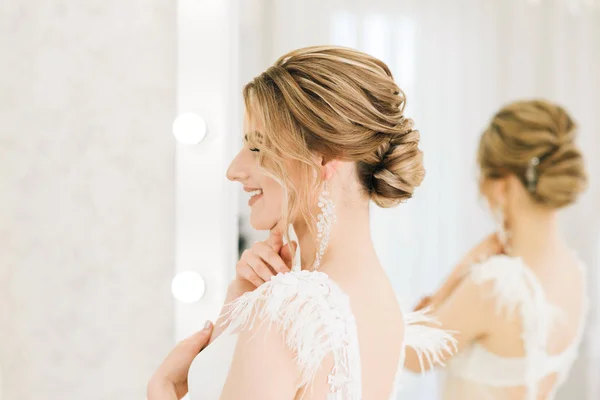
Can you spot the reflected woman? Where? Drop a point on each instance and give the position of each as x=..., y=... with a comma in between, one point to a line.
x=518, y=300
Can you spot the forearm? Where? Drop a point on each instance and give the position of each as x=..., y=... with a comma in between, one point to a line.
x=457, y=275
x=481, y=252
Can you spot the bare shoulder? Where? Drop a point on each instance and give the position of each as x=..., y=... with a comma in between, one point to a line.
x=305, y=313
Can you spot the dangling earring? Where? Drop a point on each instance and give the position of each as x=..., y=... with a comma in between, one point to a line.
x=324, y=221
x=501, y=231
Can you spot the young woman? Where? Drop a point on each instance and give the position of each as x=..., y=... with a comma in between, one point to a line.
x=518, y=300
x=324, y=134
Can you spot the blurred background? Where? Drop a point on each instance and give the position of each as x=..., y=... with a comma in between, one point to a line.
x=118, y=238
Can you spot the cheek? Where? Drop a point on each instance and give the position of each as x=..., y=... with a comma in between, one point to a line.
x=268, y=211
x=273, y=193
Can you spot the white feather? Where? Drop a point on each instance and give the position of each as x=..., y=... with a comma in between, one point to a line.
x=316, y=319
x=428, y=342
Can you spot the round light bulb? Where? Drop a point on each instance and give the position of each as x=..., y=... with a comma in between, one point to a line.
x=188, y=286
x=189, y=128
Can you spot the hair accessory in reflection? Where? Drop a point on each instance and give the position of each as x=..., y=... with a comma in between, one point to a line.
x=531, y=174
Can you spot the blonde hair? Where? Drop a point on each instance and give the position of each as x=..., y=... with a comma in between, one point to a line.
x=340, y=104
x=535, y=141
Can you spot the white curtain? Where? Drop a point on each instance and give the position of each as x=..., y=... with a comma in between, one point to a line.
x=458, y=62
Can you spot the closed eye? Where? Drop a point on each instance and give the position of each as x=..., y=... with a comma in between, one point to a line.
x=255, y=136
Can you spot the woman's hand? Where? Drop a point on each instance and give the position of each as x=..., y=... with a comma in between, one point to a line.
x=488, y=247
x=256, y=266
x=261, y=262
x=264, y=260
x=485, y=249
x=169, y=382
x=423, y=303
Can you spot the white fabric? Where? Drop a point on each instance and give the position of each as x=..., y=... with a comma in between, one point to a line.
x=476, y=373
x=316, y=318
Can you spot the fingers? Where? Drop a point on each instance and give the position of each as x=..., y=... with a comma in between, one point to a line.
x=261, y=262
x=275, y=239
x=425, y=301
x=270, y=257
x=260, y=268
x=497, y=244
x=245, y=271
x=287, y=253
x=200, y=339
x=254, y=279
x=490, y=246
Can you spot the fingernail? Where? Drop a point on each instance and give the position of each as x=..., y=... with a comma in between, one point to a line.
x=207, y=325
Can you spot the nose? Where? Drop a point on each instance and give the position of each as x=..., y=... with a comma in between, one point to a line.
x=238, y=169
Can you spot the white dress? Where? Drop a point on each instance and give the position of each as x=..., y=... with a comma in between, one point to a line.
x=476, y=373
x=316, y=318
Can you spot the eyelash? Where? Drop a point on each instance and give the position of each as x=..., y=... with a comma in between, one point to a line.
x=254, y=149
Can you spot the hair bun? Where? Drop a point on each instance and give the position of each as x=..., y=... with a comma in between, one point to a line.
x=527, y=130
x=396, y=168
x=341, y=104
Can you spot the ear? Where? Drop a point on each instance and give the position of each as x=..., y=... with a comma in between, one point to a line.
x=329, y=168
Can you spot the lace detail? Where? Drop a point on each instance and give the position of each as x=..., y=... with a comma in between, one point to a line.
x=516, y=291
x=316, y=319
x=516, y=288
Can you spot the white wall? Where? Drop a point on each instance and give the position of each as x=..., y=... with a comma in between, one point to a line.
x=87, y=97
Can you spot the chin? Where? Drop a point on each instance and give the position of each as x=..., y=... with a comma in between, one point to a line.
x=262, y=223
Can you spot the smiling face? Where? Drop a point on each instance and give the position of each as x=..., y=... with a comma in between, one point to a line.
x=305, y=119
x=265, y=193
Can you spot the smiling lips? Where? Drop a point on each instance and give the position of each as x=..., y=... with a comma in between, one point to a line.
x=255, y=195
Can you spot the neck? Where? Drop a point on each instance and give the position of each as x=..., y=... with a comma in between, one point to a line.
x=534, y=230
x=350, y=235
